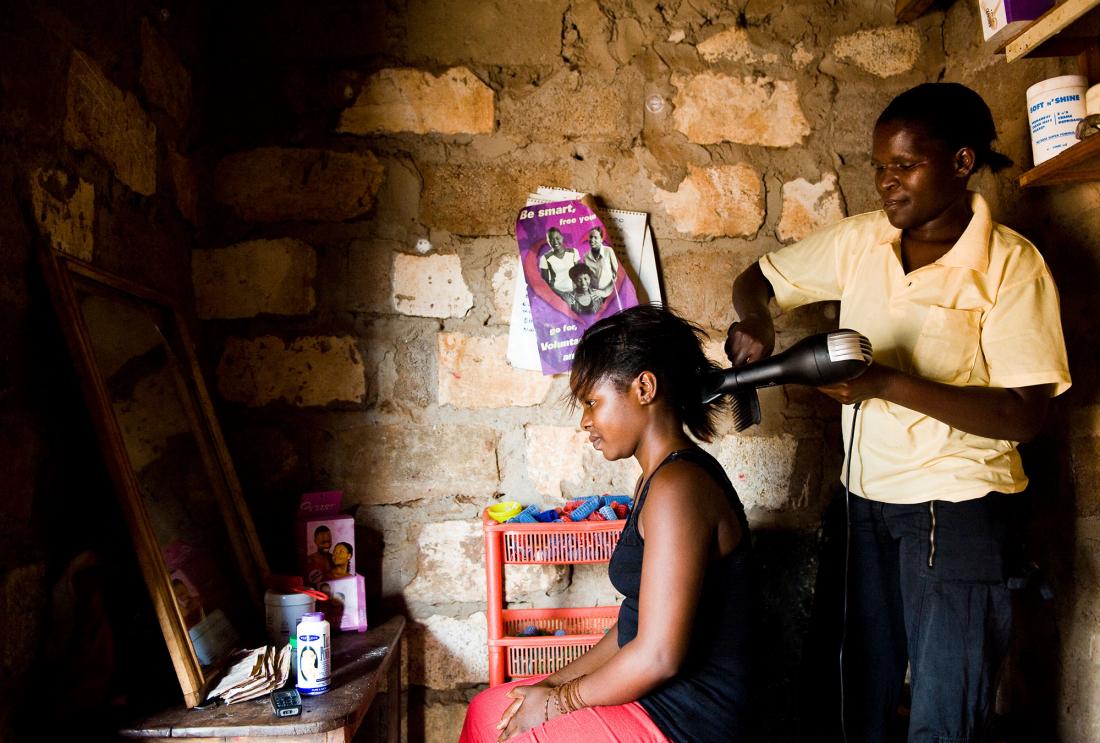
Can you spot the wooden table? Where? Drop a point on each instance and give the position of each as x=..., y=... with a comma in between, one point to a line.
x=360, y=663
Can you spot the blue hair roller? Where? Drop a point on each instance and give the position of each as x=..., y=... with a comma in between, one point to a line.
x=587, y=507
x=608, y=513
x=547, y=516
x=526, y=516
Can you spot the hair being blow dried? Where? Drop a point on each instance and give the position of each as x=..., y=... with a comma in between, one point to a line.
x=950, y=113
x=649, y=338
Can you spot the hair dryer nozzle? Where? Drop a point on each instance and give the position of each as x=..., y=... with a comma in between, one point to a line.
x=825, y=358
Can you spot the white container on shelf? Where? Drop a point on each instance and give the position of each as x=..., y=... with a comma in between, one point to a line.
x=282, y=612
x=1054, y=107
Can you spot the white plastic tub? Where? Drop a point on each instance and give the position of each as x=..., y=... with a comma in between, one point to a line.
x=1054, y=107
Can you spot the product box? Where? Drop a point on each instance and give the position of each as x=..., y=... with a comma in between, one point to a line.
x=1003, y=20
x=346, y=608
x=325, y=538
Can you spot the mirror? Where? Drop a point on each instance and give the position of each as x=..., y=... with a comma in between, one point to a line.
x=192, y=533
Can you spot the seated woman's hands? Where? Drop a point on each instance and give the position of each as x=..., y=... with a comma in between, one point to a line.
x=531, y=707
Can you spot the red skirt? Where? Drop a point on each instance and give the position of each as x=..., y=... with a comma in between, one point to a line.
x=623, y=723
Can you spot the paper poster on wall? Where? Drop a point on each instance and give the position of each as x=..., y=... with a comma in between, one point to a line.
x=627, y=235
x=573, y=277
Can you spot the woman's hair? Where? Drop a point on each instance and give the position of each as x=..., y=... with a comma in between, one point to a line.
x=950, y=113
x=581, y=268
x=648, y=338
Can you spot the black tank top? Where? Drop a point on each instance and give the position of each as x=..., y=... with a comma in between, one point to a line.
x=708, y=700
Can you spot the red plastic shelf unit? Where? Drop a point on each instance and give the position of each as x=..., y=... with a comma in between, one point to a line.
x=512, y=657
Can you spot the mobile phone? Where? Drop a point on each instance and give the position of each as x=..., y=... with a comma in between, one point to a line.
x=286, y=702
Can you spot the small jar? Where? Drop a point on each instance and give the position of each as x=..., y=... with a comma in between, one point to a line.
x=282, y=612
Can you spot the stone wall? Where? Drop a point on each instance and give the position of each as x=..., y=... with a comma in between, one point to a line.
x=358, y=287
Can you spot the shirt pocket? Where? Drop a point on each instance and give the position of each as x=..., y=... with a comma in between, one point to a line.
x=947, y=346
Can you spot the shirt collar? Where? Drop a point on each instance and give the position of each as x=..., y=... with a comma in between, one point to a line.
x=971, y=250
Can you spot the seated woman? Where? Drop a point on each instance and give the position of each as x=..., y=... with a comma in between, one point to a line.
x=676, y=665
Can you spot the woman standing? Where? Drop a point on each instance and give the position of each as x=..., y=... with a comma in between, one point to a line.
x=963, y=317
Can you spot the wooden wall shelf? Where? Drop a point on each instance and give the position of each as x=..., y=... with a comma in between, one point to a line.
x=1066, y=30
x=906, y=11
x=1069, y=29
x=1081, y=162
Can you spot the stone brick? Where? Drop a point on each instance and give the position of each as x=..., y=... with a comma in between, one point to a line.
x=482, y=200
x=401, y=365
x=884, y=52
x=716, y=201
x=451, y=564
x=733, y=44
x=504, y=288
x=453, y=652
x=698, y=285
x=474, y=373
x=409, y=100
x=166, y=81
x=801, y=56
x=590, y=586
x=277, y=183
x=491, y=32
x=369, y=282
x=573, y=106
x=808, y=207
x=257, y=277
x=378, y=464
x=102, y=118
x=430, y=286
x=525, y=583
x=761, y=469
x=561, y=463
x=443, y=721
x=712, y=107
x=64, y=207
x=306, y=372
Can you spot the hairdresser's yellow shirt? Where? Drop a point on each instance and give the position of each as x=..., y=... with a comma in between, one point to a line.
x=985, y=314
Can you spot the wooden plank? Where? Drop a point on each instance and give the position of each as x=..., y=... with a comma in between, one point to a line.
x=1056, y=20
x=906, y=11
x=1081, y=162
x=361, y=661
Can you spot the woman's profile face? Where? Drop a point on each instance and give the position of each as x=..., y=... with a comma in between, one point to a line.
x=917, y=177
x=341, y=555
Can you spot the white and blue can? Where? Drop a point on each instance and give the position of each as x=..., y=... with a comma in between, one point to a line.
x=314, y=654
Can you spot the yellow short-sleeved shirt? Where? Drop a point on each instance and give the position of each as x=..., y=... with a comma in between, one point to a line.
x=985, y=314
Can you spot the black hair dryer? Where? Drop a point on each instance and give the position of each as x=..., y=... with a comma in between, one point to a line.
x=825, y=358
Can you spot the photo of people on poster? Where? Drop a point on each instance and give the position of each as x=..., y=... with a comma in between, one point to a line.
x=573, y=276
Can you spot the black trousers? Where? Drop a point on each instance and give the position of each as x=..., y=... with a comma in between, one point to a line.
x=926, y=588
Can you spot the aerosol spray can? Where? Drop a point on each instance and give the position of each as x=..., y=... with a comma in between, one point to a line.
x=313, y=654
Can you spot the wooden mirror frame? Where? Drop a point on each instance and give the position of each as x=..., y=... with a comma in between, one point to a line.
x=63, y=275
